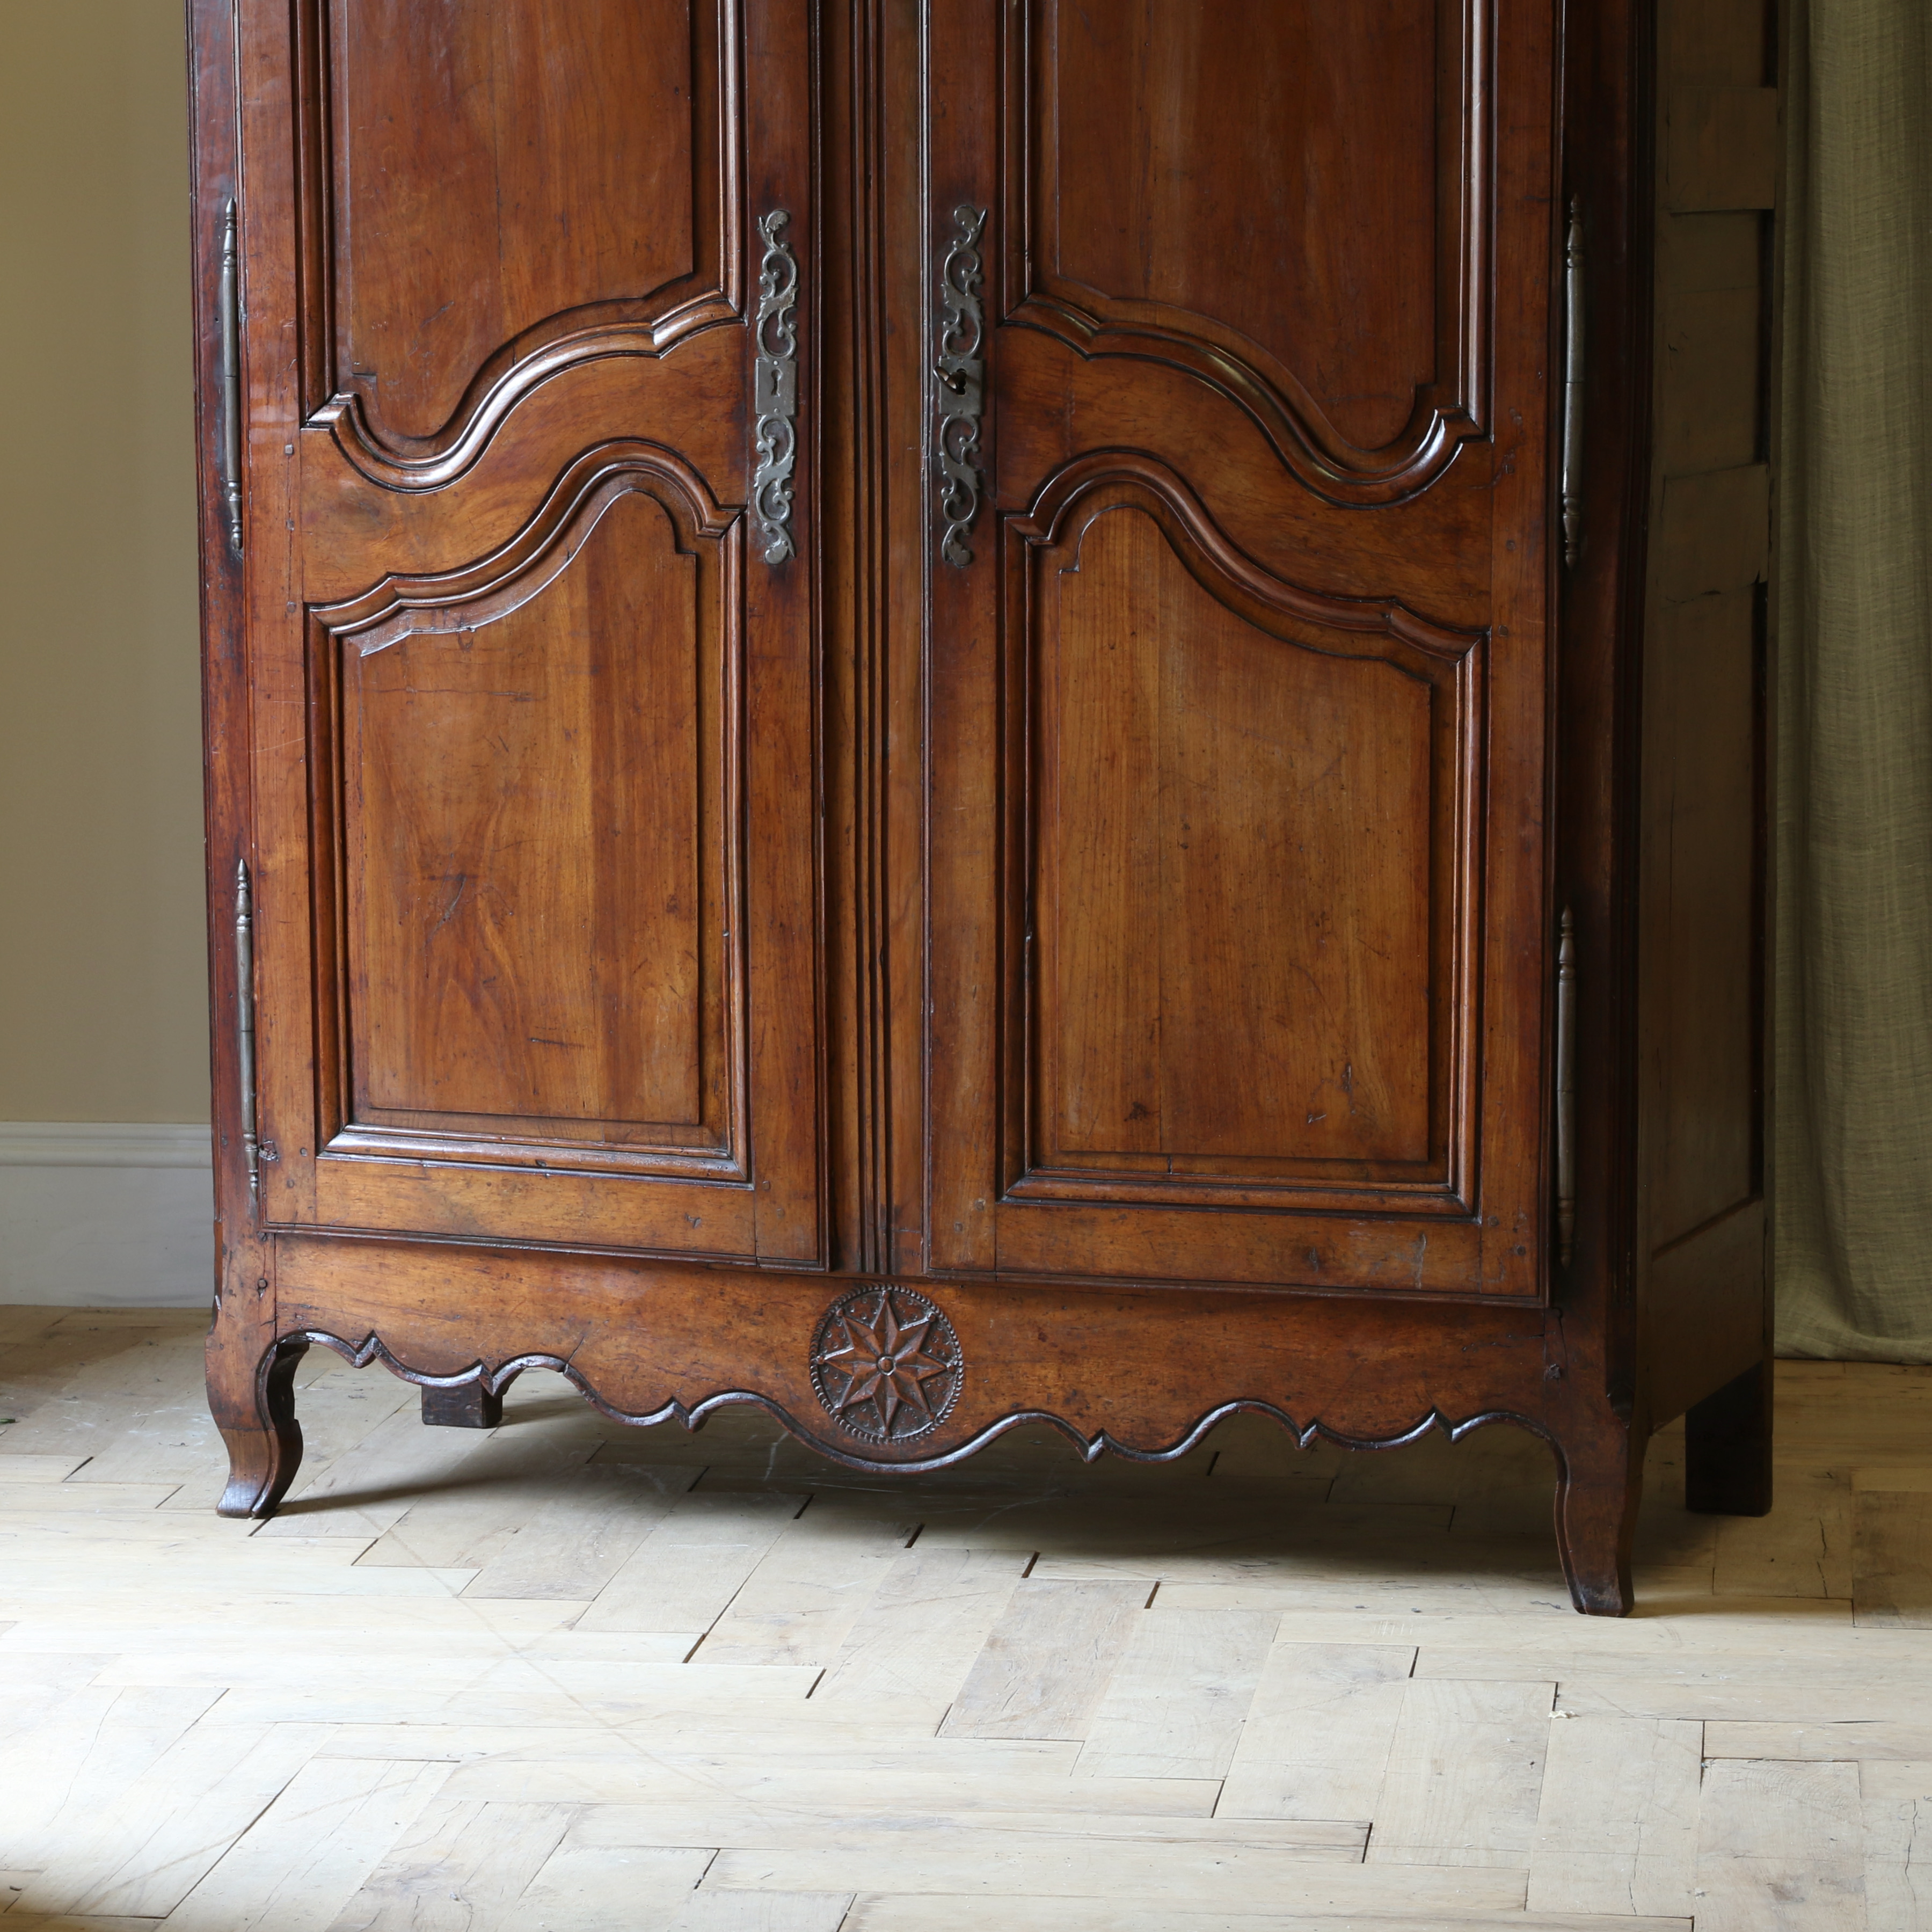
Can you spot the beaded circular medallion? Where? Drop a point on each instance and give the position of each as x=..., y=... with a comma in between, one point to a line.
x=886, y=1364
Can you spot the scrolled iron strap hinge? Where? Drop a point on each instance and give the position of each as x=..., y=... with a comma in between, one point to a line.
x=229, y=324
x=244, y=1025
x=1573, y=385
x=959, y=385
x=774, y=389
x=1566, y=1088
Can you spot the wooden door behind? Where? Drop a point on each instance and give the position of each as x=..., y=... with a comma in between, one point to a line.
x=532, y=747
x=1238, y=585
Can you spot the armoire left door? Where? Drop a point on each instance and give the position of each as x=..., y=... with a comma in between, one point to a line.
x=524, y=543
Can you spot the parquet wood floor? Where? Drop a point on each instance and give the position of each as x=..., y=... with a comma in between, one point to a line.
x=566, y=1676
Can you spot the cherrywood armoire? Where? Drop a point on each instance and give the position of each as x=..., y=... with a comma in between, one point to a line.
x=942, y=712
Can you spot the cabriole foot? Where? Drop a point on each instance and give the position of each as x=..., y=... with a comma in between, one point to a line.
x=1596, y=1498
x=265, y=1441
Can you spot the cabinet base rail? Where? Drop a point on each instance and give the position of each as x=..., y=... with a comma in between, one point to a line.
x=648, y=1344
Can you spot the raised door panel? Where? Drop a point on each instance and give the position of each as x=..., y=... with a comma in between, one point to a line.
x=1240, y=953
x=498, y=191
x=1289, y=200
x=534, y=764
x=538, y=841
x=1247, y=859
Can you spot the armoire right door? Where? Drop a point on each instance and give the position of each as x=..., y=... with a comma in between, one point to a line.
x=1236, y=546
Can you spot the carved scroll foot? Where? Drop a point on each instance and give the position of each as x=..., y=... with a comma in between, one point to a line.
x=1727, y=1448
x=1596, y=1498
x=469, y=1405
x=265, y=1441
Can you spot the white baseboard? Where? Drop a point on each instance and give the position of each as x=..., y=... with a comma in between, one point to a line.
x=105, y=1214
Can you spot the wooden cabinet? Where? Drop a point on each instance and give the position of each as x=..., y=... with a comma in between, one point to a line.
x=940, y=711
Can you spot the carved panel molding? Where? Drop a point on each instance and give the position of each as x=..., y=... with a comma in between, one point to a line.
x=1366, y=388
x=618, y=223
x=401, y=606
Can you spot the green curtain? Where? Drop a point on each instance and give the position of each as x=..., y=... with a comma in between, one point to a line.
x=1853, y=1148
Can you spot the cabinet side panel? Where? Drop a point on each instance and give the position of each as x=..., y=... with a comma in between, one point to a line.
x=1707, y=749
x=1703, y=977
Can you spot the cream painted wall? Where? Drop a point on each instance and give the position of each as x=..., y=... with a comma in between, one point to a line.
x=102, y=954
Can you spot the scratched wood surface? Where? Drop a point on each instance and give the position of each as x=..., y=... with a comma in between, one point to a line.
x=562, y=1675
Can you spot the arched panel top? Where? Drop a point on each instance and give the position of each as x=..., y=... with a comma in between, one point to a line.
x=1311, y=246
x=480, y=592
x=1075, y=497
x=497, y=190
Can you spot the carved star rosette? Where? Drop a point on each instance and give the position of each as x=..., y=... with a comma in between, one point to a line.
x=886, y=1365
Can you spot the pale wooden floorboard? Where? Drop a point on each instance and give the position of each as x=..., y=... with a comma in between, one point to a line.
x=1046, y=1666
x=814, y=1583
x=926, y=1623
x=57, y=1776
x=1176, y=1701
x=1802, y=1549
x=398, y=1467
x=142, y=1852
x=641, y=1777
x=565, y=1674
x=684, y=1573
x=506, y=1478
x=1896, y=1812
x=1464, y=1775
x=1892, y=1560
x=24, y=1468
x=997, y=1866
x=581, y=1532
x=1616, y=1829
x=877, y=1913
x=763, y=1912
x=309, y=1853
x=926, y=1837
x=621, y=1888
x=473, y=1858
x=1315, y=1742
x=1866, y=1743
x=1781, y=1849
x=61, y=1922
